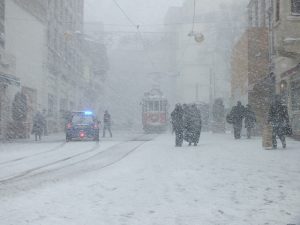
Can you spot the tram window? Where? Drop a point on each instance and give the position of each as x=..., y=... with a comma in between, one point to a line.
x=156, y=106
x=151, y=106
x=162, y=106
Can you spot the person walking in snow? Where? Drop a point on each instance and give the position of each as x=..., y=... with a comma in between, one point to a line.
x=38, y=126
x=250, y=120
x=106, y=123
x=237, y=114
x=279, y=119
x=177, y=121
x=195, y=125
x=187, y=123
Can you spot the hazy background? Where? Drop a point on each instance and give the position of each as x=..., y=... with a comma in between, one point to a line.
x=140, y=11
x=160, y=55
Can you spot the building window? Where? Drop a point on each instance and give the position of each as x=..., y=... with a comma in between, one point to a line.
x=63, y=105
x=254, y=16
x=284, y=91
x=277, y=15
x=295, y=7
x=51, y=105
x=295, y=95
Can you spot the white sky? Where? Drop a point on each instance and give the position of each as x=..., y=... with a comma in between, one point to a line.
x=140, y=11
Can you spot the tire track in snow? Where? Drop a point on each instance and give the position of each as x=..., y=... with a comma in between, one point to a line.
x=61, y=145
x=30, y=172
x=27, y=172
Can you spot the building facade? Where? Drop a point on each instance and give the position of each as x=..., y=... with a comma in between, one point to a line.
x=47, y=45
x=273, y=56
x=286, y=28
x=9, y=83
x=26, y=40
x=239, y=70
x=251, y=63
x=64, y=59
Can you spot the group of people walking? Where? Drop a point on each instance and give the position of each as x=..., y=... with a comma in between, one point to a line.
x=236, y=116
x=186, y=123
x=278, y=118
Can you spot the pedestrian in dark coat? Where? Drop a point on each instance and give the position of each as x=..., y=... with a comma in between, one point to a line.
x=106, y=123
x=250, y=120
x=38, y=126
x=177, y=121
x=195, y=125
x=237, y=115
x=187, y=123
x=279, y=119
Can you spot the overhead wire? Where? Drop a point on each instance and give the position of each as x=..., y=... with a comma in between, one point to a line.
x=138, y=32
x=194, y=16
x=125, y=14
x=96, y=23
x=181, y=60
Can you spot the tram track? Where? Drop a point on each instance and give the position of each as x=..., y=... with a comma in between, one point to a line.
x=67, y=161
x=55, y=148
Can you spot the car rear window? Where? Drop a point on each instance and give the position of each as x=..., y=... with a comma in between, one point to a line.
x=82, y=119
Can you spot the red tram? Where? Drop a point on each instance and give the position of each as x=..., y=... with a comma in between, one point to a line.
x=154, y=111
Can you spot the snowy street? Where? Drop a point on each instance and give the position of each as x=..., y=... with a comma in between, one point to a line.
x=139, y=179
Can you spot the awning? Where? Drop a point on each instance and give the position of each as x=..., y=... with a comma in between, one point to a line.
x=294, y=70
x=263, y=82
x=9, y=79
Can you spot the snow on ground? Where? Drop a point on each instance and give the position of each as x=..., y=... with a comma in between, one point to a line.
x=221, y=181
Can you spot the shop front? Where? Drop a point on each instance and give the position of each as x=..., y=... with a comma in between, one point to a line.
x=9, y=85
x=289, y=87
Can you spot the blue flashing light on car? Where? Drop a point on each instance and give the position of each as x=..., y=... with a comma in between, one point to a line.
x=88, y=113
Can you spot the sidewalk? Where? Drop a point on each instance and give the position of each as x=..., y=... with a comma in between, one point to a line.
x=60, y=137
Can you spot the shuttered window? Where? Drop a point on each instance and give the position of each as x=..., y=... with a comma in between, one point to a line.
x=295, y=7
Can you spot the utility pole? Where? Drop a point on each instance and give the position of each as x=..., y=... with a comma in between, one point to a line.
x=211, y=96
x=197, y=92
x=267, y=129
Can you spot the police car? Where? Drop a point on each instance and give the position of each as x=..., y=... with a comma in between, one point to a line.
x=82, y=125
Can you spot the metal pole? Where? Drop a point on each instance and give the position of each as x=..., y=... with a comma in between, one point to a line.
x=210, y=97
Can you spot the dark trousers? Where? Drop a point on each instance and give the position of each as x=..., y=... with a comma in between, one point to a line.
x=38, y=136
x=249, y=132
x=106, y=127
x=237, y=132
x=179, y=137
x=277, y=131
x=195, y=137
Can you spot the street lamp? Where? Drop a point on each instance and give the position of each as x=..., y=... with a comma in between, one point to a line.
x=199, y=37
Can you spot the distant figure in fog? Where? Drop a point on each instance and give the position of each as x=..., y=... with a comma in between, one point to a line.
x=250, y=120
x=236, y=115
x=177, y=121
x=44, y=118
x=106, y=123
x=279, y=119
x=38, y=126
